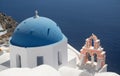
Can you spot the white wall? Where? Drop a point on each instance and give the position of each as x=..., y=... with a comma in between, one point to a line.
x=49, y=53
x=103, y=69
x=67, y=71
x=18, y=51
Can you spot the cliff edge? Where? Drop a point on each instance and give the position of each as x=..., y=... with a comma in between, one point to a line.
x=7, y=26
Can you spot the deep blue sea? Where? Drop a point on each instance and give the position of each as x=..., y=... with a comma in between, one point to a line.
x=78, y=19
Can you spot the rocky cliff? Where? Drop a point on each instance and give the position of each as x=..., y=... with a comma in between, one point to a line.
x=8, y=24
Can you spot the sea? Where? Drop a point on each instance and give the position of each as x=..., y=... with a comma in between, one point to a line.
x=78, y=19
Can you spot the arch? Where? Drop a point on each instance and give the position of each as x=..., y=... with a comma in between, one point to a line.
x=92, y=39
x=88, y=56
x=18, y=61
x=95, y=57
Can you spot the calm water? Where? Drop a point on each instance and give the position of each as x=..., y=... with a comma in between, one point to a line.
x=77, y=19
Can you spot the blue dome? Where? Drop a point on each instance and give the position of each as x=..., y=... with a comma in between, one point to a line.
x=36, y=31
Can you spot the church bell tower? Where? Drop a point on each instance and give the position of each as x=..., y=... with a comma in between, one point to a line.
x=92, y=55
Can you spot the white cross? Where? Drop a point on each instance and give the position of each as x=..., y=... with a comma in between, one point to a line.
x=36, y=14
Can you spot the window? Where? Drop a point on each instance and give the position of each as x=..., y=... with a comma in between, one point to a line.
x=59, y=58
x=48, y=31
x=39, y=60
x=18, y=61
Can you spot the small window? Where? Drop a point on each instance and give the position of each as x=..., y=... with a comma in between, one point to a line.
x=59, y=58
x=18, y=61
x=48, y=31
x=39, y=60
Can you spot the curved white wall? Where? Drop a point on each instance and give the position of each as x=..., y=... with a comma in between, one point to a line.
x=49, y=53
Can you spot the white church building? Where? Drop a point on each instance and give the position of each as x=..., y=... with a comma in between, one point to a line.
x=38, y=40
x=38, y=47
